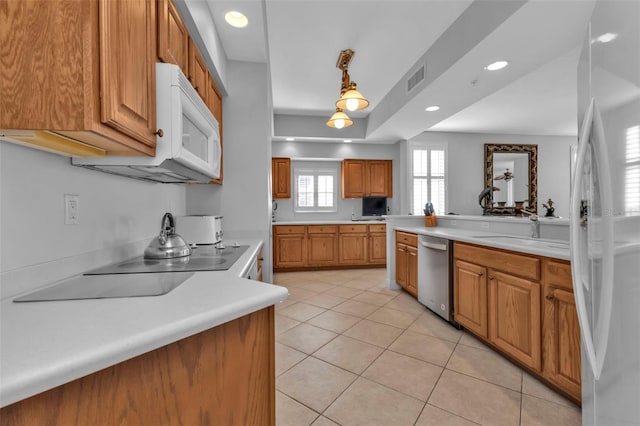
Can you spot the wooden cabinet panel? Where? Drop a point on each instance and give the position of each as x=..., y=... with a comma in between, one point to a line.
x=379, y=178
x=322, y=229
x=353, y=178
x=561, y=363
x=407, y=262
x=127, y=67
x=323, y=249
x=225, y=375
x=289, y=229
x=378, y=228
x=198, y=71
x=280, y=178
x=407, y=238
x=377, y=248
x=412, y=271
x=514, y=317
x=173, y=36
x=402, y=269
x=517, y=264
x=290, y=250
x=214, y=102
x=360, y=178
x=353, y=248
x=259, y=260
x=353, y=229
x=470, y=296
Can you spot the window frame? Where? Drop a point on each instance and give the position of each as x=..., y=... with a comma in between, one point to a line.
x=429, y=147
x=316, y=171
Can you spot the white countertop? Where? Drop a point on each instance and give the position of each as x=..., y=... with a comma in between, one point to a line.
x=47, y=344
x=543, y=247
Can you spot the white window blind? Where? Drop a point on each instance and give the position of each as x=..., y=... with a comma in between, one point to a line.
x=315, y=189
x=428, y=181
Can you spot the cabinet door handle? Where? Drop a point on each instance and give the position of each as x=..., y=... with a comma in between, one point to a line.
x=159, y=133
x=550, y=296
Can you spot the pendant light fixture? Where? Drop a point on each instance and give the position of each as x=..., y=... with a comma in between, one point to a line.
x=350, y=98
x=339, y=120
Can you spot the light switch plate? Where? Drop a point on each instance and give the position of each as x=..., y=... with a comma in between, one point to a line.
x=71, y=209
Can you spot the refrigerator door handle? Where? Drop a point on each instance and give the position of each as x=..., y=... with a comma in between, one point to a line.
x=595, y=350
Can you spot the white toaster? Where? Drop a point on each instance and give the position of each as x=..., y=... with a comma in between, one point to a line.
x=200, y=229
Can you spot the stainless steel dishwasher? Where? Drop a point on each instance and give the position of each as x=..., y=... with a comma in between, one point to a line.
x=434, y=284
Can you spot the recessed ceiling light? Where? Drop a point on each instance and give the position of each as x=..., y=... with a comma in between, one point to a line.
x=432, y=108
x=291, y=139
x=236, y=19
x=498, y=65
x=606, y=38
x=348, y=140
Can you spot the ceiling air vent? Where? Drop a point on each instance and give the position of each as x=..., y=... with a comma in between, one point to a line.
x=415, y=79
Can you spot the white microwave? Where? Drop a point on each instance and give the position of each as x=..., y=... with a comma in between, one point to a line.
x=188, y=150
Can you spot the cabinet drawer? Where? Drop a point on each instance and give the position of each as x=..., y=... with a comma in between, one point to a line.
x=557, y=273
x=513, y=263
x=406, y=238
x=378, y=228
x=322, y=229
x=352, y=229
x=286, y=229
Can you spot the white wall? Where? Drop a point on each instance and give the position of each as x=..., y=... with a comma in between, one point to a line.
x=114, y=212
x=244, y=199
x=337, y=151
x=466, y=168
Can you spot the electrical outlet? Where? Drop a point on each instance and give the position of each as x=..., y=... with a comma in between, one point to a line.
x=71, y=209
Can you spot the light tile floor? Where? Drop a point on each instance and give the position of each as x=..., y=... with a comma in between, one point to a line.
x=349, y=351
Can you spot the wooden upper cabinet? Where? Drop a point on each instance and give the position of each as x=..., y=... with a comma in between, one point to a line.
x=198, y=71
x=364, y=178
x=214, y=102
x=127, y=61
x=281, y=178
x=353, y=178
x=379, y=178
x=91, y=78
x=173, y=37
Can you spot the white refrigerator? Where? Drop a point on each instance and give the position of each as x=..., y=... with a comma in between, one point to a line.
x=605, y=215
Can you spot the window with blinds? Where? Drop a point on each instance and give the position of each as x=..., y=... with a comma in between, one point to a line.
x=315, y=189
x=428, y=177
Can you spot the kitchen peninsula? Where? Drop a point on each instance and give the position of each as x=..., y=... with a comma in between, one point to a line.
x=203, y=351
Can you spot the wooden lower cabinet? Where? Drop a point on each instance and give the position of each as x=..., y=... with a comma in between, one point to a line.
x=290, y=246
x=560, y=329
x=514, y=317
x=470, y=297
x=377, y=250
x=225, y=375
x=353, y=244
x=323, y=245
x=307, y=247
x=523, y=306
x=407, y=262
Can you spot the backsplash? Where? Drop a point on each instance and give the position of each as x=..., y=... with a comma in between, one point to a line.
x=117, y=217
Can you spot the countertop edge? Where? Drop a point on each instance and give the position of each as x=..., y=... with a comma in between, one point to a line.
x=22, y=378
x=463, y=235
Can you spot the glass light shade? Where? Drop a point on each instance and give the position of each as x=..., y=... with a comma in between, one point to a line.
x=339, y=120
x=352, y=100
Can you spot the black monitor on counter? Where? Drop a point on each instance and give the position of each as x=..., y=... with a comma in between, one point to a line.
x=374, y=206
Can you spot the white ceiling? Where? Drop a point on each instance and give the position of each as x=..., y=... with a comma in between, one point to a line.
x=301, y=40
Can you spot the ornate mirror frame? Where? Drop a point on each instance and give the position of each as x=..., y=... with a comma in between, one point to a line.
x=531, y=151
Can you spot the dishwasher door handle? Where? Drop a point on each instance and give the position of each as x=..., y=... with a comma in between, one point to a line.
x=442, y=247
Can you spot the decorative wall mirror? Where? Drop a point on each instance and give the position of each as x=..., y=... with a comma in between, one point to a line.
x=512, y=173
